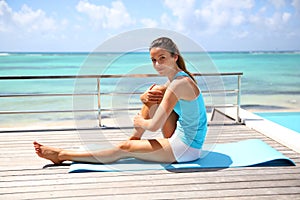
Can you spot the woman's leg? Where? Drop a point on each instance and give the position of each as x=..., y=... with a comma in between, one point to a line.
x=170, y=125
x=157, y=150
x=147, y=113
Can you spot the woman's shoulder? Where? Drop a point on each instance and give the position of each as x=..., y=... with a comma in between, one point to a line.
x=185, y=88
x=182, y=83
x=182, y=80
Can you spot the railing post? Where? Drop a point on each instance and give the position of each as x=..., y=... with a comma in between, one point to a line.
x=238, y=119
x=99, y=101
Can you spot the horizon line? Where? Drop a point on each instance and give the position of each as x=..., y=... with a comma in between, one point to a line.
x=225, y=51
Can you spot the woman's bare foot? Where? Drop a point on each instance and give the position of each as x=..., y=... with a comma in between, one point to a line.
x=48, y=153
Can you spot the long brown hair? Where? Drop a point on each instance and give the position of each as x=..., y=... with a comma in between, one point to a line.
x=170, y=46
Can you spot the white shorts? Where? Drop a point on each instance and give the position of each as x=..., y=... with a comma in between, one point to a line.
x=183, y=152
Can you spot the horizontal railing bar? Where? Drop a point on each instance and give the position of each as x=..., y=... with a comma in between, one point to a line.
x=119, y=109
x=203, y=91
x=47, y=95
x=63, y=111
x=94, y=110
x=110, y=76
x=138, y=108
x=219, y=91
x=108, y=94
x=222, y=106
x=46, y=111
x=98, y=77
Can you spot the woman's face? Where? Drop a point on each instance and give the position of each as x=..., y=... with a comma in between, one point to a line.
x=162, y=60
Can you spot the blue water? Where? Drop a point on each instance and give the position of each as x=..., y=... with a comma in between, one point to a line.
x=274, y=73
x=290, y=120
x=270, y=80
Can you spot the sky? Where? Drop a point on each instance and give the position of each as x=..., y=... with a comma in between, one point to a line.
x=82, y=25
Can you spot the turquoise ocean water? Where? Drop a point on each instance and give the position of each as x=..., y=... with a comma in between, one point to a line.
x=270, y=80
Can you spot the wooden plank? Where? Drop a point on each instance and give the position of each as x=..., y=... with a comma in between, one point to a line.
x=155, y=191
x=22, y=176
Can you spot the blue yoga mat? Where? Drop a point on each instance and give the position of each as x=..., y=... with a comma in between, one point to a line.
x=245, y=153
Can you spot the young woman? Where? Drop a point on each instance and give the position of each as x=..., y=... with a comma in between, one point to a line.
x=178, y=108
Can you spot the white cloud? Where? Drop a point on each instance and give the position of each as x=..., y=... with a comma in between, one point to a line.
x=165, y=20
x=65, y=22
x=208, y=20
x=238, y=19
x=231, y=4
x=26, y=20
x=217, y=14
x=277, y=22
x=206, y=17
x=33, y=20
x=243, y=20
x=296, y=4
x=278, y=3
x=182, y=10
x=286, y=17
x=149, y=23
x=241, y=35
x=5, y=17
x=105, y=17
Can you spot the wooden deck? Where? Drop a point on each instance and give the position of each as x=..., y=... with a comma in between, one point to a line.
x=25, y=176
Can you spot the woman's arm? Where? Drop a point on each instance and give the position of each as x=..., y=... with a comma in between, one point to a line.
x=144, y=96
x=181, y=88
x=162, y=113
x=154, y=94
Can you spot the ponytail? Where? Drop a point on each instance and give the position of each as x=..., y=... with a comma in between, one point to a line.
x=181, y=64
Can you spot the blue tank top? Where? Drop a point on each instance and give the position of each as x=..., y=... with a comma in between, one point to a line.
x=192, y=119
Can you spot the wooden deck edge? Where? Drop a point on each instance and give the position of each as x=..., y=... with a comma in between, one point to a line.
x=280, y=134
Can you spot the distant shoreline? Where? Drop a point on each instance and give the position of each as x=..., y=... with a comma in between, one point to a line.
x=88, y=52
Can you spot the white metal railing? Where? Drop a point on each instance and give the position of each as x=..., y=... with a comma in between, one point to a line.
x=98, y=93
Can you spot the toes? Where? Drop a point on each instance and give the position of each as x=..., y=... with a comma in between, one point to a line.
x=36, y=143
x=37, y=147
x=47, y=152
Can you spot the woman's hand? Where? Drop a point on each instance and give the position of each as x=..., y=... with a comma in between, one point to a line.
x=153, y=95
